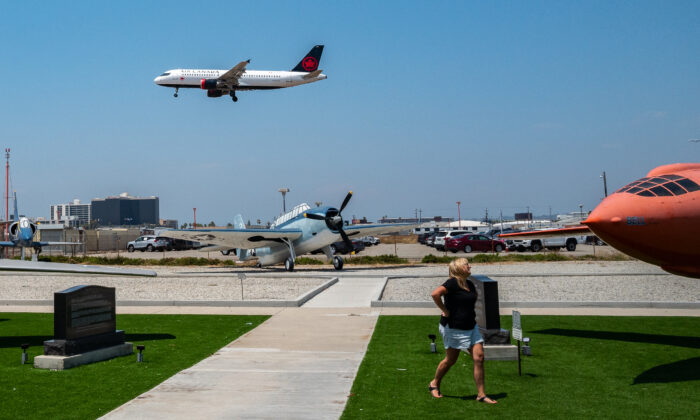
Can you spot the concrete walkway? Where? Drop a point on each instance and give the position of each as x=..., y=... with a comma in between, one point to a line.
x=299, y=364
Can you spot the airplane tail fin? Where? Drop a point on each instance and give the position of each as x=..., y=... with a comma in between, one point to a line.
x=238, y=224
x=311, y=61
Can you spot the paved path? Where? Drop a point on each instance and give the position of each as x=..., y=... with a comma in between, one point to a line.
x=299, y=364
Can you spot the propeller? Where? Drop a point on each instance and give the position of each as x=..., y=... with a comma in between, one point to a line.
x=334, y=219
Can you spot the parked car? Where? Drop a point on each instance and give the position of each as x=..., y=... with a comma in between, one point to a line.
x=430, y=240
x=423, y=237
x=474, y=242
x=493, y=233
x=341, y=248
x=149, y=243
x=370, y=240
x=442, y=236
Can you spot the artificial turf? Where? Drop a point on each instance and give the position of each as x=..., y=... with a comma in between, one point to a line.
x=581, y=367
x=173, y=343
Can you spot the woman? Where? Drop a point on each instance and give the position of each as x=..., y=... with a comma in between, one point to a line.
x=458, y=327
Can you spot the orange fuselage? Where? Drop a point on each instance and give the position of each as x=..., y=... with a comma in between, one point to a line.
x=655, y=219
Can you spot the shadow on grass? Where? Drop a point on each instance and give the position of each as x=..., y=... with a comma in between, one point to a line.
x=473, y=396
x=4, y=319
x=684, y=370
x=38, y=340
x=668, y=340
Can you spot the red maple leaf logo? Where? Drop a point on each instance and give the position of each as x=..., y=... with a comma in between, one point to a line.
x=309, y=64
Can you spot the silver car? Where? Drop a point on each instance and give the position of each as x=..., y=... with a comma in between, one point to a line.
x=148, y=243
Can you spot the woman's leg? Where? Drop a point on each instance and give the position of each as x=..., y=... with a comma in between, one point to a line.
x=450, y=359
x=477, y=352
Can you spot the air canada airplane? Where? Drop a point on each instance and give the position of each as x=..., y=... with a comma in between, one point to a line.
x=22, y=231
x=655, y=219
x=226, y=82
x=299, y=231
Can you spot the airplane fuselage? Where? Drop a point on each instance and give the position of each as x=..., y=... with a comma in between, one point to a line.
x=249, y=80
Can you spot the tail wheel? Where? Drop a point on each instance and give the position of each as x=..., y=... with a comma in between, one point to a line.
x=338, y=263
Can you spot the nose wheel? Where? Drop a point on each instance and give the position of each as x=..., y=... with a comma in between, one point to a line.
x=175, y=94
x=234, y=98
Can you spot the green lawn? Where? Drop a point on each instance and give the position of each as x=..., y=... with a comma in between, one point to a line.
x=582, y=367
x=173, y=343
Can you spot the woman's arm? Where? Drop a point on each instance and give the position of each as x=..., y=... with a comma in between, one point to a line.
x=437, y=298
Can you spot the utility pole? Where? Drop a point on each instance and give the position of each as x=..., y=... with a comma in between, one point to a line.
x=284, y=192
x=416, y=211
x=194, y=210
x=7, y=194
x=529, y=218
x=459, y=215
x=605, y=183
x=486, y=217
x=420, y=215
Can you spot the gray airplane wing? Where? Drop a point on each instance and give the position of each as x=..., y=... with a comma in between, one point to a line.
x=231, y=77
x=234, y=238
x=366, y=230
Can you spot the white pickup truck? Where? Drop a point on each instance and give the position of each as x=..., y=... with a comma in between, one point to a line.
x=538, y=244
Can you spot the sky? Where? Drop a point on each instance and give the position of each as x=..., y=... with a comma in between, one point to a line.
x=499, y=105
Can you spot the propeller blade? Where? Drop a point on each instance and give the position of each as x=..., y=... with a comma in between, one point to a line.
x=347, y=240
x=345, y=202
x=314, y=216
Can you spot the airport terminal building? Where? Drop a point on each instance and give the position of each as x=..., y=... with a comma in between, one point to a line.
x=124, y=210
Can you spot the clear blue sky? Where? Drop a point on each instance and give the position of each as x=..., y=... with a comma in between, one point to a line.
x=500, y=105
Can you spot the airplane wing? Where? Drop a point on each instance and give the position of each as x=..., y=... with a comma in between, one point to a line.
x=234, y=238
x=7, y=243
x=367, y=230
x=550, y=233
x=232, y=76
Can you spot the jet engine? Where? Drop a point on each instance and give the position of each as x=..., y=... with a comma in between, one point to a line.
x=209, y=83
x=214, y=93
x=14, y=227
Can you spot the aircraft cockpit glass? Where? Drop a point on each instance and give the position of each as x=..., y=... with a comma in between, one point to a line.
x=165, y=74
x=660, y=186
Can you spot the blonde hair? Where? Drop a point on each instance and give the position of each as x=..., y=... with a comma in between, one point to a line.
x=459, y=269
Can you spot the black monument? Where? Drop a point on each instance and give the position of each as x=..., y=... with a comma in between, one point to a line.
x=487, y=311
x=84, y=320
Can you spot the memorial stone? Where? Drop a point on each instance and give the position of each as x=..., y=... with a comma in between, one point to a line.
x=487, y=311
x=84, y=320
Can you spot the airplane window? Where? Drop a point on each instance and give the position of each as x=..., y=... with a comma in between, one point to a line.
x=688, y=185
x=661, y=191
x=165, y=74
x=646, y=185
x=672, y=177
x=675, y=188
x=634, y=190
x=646, y=193
x=657, y=180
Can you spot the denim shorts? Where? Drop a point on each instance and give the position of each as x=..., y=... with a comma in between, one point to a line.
x=460, y=339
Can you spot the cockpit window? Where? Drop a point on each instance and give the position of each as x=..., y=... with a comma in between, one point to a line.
x=659, y=186
x=165, y=74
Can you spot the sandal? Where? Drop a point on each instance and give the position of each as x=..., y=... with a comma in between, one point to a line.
x=483, y=400
x=434, y=388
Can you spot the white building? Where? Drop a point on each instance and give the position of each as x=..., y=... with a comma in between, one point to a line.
x=73, y=214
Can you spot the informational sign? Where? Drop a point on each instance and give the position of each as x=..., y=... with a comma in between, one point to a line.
x=517, y=327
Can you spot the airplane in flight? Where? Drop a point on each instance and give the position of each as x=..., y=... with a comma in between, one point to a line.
x=299, y=231
x=226, y=82
x=21, y=232
x=655, y=219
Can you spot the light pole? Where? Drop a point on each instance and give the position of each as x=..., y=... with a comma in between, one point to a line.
x=605, y=184
x=459, y=215
x=580, y=206
x=194, y=210
x=284, y=192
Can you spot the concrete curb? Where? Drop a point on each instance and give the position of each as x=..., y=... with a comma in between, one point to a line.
x=659, y=305
x=300, y=300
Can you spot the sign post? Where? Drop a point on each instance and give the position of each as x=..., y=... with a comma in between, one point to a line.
x=517, y=335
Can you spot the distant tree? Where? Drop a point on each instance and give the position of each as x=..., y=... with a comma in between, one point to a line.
x=184, y=226
x=229, y=224
x=259, y=222
x=248, y=222
x=212, y=224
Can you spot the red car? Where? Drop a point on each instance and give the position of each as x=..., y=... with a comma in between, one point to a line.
x=474, y=242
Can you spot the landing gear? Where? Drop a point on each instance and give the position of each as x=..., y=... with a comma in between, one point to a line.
x=289, y=264
x=338, y=263
x=175, y=94
x=234, y=98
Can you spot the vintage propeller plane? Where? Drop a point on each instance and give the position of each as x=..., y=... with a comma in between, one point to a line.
x=655, y=219
x=299, y=231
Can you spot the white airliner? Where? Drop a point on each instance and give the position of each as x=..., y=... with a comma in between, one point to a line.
x=223, y=82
